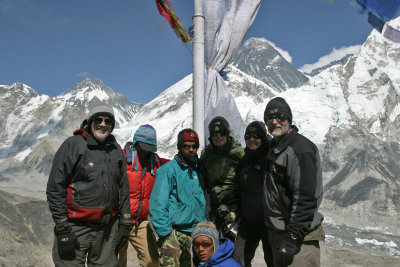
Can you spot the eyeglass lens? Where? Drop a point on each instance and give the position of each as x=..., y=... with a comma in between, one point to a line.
x=249, y=136
x=204, y=244
x=278, y=117
x=220, y=133
x=187, y=147
x=100, y=120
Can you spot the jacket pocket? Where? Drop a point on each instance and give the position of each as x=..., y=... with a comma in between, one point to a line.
x=182, y=215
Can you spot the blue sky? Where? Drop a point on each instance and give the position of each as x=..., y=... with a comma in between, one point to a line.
x=51, y=45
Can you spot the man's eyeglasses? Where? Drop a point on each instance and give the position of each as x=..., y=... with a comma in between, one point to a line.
x=279, y=117
x=220, y=133
x=204, y=244
x=187, y=147
x=99, y=120
x=249, y=136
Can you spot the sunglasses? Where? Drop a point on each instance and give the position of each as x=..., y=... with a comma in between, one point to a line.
x=249, y=136
x=220, y=133
x=277, y=116
x=187, y=147
x=204, y=244
x=108, y=122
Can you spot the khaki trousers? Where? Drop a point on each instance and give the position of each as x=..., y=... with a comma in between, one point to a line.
x=144, y=242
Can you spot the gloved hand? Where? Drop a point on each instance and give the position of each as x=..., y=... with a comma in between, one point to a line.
x=67, y=243
x=122, y=236
x=224, y=216
x=226, y=222
x=289, y=247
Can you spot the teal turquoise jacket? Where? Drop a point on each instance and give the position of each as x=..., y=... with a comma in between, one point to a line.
x=177, y=200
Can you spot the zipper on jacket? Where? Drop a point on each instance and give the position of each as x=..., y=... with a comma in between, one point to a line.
x=109, y=206
x=139, y=211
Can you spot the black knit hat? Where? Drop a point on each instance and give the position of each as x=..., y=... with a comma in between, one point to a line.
x=219, y=121
x=101, y=109
x=278, y=105
x=257, y=127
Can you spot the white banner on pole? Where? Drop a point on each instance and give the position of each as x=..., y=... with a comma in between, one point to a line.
x=226, y=24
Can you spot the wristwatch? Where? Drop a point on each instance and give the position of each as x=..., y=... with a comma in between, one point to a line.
x=293, y=236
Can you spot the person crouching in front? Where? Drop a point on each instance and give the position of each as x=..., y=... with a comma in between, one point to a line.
x=207, y=248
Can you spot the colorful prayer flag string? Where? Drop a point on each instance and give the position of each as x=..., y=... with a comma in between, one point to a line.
x=375, y=22
x=165, y=10
x=384, y=9
x=379, y=12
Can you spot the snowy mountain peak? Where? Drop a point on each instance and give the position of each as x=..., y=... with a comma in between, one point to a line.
x=88, y=90
x=261, y=60
x=18, y=90
x=92, y=83
x=91, y=91
x=255, y=42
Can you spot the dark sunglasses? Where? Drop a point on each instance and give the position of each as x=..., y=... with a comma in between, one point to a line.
x=279, y=117
x=187, y=147
x=249, y=136
x=108, y=122
x=220, y=133
x=204, y=244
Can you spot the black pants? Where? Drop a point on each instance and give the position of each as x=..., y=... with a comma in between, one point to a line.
x=249, y=235
x=96, y=245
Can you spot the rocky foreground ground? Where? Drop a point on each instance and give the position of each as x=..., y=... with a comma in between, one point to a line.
x=347, y=258
x=26, y=235
x=329, y=258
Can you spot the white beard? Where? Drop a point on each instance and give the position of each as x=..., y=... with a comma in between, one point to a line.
x=101, y=137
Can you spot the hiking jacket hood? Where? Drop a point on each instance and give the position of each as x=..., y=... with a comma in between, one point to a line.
x=293, y=185
x=222, y=257
x=177, y=200
x=88, y=181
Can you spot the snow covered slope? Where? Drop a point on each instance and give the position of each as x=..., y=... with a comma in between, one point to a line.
x=35, y=125
x=351, y=111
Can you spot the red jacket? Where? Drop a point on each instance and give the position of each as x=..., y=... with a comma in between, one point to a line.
x=140, y=188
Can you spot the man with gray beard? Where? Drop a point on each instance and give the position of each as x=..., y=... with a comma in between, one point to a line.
x=88, y=194
x=292, y=191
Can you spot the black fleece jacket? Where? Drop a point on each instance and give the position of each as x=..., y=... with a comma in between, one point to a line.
x=293, y=185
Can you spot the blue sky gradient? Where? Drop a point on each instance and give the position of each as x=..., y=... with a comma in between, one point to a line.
x=52, y=44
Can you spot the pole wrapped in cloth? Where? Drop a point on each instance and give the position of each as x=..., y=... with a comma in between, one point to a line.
x=226, y=23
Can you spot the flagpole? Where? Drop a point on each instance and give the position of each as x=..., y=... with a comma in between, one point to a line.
x=198, y=71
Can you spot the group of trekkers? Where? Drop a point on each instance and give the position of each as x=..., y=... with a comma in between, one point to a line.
x=187, y=211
